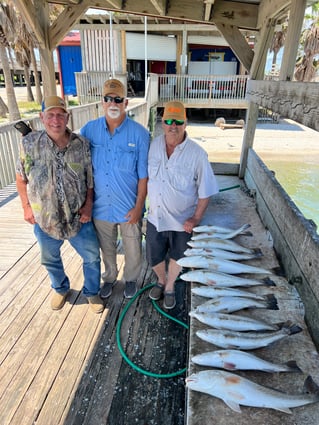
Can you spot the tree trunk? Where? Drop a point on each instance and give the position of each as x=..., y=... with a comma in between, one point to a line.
x=14, y=113
x=38, y=93
x=26, y=71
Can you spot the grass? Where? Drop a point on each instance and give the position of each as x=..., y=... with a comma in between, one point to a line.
x=30, y=109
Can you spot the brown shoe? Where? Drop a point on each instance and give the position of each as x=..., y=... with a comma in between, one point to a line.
x=169, y=300
x=96, y=304
x=156, y=292
x=58, y=300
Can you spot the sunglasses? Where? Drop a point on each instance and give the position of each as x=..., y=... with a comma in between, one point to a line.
x=117, y=99
x=177, y=122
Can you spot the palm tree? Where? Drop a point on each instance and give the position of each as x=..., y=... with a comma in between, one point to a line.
x=307, y=64
x=7, y=33
x=277, y=43
x=24, y=51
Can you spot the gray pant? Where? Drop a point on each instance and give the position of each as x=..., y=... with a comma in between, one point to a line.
x=131, y=234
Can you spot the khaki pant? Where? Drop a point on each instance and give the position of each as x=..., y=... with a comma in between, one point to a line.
x=131, y=234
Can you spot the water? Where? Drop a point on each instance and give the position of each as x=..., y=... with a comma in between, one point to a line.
x=301, y=182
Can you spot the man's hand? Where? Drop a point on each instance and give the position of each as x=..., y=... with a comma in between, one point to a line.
x=28, y=214
x=133, y=216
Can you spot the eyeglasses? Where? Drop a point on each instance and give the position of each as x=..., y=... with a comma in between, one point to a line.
x=117, y=99
x=177, y=122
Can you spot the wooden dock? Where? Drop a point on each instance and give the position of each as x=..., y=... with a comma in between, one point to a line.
x=66, y=367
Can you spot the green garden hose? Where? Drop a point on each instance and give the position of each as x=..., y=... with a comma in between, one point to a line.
x=118, y=337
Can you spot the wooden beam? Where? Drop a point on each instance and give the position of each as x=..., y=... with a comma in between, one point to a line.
x=66, y=20
x=256, y=72
x=296, y=17
x=270, y=9
x=298, y=101
x=242, y=15
x=160, y=6
x=237, y=43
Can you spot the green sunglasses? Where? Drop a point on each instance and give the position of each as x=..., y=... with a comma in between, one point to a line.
x=177, y=122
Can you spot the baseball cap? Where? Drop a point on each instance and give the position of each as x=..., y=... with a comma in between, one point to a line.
x=174, y=111
x=113, y=86
x=51, y=102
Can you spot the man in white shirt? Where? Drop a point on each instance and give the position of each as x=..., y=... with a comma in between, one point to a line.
x=181, y=181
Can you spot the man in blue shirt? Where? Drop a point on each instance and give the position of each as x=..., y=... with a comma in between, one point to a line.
x=119, y=149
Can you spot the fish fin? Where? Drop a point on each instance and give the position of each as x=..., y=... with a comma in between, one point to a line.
x=310, y=386
x=292, y=364
x=232, y=405
x=267, y=281
x=271, y=302
x=284, y=410
x=258, y=252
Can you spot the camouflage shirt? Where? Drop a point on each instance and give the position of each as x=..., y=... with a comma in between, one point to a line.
x=57, y=179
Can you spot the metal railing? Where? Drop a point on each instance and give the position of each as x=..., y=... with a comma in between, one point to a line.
x=202, y=88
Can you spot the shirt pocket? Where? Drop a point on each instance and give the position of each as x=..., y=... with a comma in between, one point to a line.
x=97, y=153
x=126, y=159
x=181, y=179
x=153, y=170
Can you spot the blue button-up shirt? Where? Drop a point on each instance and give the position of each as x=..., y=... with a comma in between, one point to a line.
x=119, y=161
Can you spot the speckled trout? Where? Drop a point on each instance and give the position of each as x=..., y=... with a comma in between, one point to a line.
x=220, y=265
x=231, y=304
x=213, y=292
x=241, y=360
x=221, y=253
x=224, y=280
x=227, y=245
x=246, y=340
x=235, y=391
x=232, y=322
x=220, y=232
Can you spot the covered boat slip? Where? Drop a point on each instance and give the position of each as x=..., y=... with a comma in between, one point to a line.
x=232, y=209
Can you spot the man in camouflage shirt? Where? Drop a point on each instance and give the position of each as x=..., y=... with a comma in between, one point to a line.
x=55, y=183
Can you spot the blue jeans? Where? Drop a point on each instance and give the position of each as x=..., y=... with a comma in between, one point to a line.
x=86, y=245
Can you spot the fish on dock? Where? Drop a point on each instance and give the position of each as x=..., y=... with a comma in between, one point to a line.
x=221, y=253
x=227, y=245
x=246, y=340
x=222, y=232
x=232, y=322
x=241, y=360
x=218, y=264
x=215, y=292
x=218, y=279
x=235, y=390
x=231, y=304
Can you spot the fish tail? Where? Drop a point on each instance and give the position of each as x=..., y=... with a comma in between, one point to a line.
x=311, y=387
x=291, y=328
x=258, y=252
x=271, y=302
x=278, y=271
x=292, y=364
x=267, y=281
